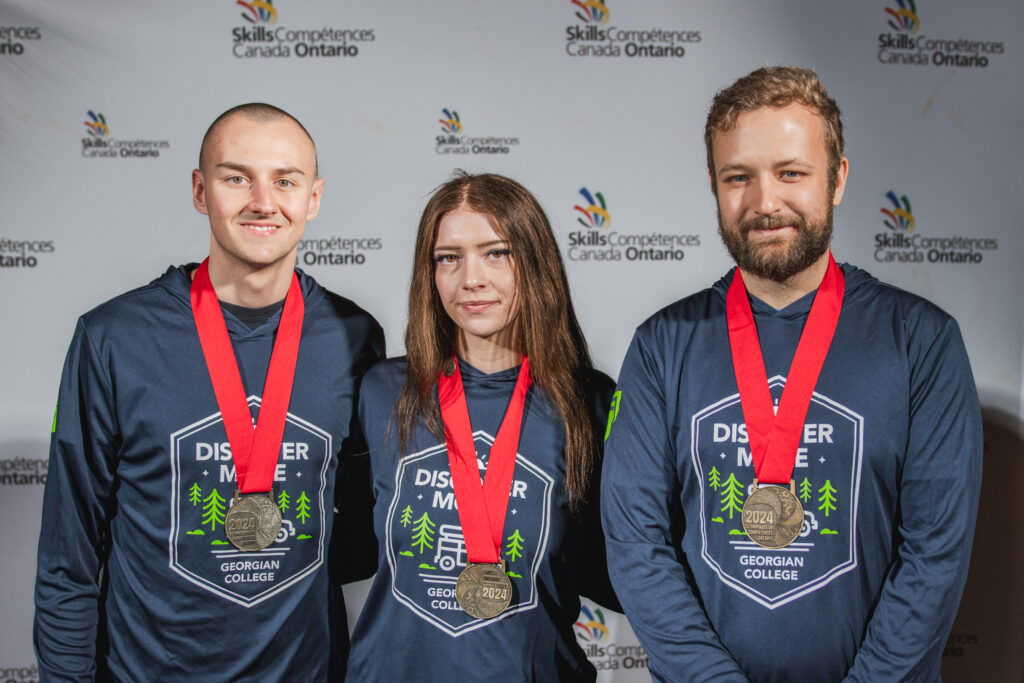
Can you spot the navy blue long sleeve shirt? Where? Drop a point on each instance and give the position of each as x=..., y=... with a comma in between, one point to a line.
x=888, y=471
x=136, y=578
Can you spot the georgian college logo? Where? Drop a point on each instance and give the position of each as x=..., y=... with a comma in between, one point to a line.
x=202, y=489
x=827, y=476
x=425, y=547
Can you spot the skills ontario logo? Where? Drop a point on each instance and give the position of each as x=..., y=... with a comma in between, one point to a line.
x=261, y=37
x=898, y=217
x=452, y=141
x=450, y=123
x=904, y=18
x=98, y=125
x=594, y=637
x=590, y=626
x=904, y=44
x=594, y=216
x=897, y=245
x=259, y=11
x=97, y=142
x=593, y=37
x=596, y=241
x=592, y=11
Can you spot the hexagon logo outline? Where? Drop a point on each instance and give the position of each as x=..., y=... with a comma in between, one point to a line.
x=265, y=555
x=523, y=465
x=856, y=422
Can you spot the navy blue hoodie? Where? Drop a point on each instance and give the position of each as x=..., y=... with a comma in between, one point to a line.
x=888, y=471
x=411, y=628
x=136, y=578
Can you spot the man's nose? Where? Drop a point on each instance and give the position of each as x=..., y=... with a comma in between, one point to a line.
x=261, y=198
x=764, y=196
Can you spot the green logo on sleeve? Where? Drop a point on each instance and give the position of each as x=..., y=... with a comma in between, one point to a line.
x=613, y=412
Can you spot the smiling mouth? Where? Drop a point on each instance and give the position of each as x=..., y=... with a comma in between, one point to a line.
x=260, y=229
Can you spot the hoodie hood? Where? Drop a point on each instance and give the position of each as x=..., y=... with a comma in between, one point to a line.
x=176, y=282
x=856, y=284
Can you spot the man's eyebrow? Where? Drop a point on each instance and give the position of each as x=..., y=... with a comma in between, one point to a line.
x=233, y=166
x=795, y=162
x=242, y=168
x=730, y=168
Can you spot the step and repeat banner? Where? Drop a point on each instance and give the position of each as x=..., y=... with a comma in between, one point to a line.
x=598, y=108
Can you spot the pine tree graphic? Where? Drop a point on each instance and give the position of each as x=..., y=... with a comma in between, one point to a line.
x=805, y=490
x=514, y=549
x=827, y=499
x=732, y=495
x=423, y=533
x=194, y=494
x=302, y=509
x=714, y=481
x=406, y=516
x=213, y=510
x=282, y=501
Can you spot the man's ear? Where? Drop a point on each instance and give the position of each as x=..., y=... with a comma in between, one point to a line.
x=199, y=192
x=841, y=174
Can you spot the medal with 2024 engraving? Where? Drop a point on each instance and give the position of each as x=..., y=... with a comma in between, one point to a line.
x=483, y=590
x=773, y=516
x=253, y=521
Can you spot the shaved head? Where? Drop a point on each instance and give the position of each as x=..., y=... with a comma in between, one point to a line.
x=256, y=111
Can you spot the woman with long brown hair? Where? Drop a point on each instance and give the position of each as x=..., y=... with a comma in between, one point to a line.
x=485, y=444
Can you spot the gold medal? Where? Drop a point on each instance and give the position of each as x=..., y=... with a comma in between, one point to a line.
x=253, y=521
x=773, y=516
x=483, y=590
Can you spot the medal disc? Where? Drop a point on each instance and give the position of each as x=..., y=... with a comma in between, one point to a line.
x=483, y=590
x=253, y=521
x=772, y=516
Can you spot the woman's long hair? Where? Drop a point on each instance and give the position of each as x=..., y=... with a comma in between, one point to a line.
x=545, y=323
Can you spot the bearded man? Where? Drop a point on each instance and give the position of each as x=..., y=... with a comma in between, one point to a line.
x=791, y=481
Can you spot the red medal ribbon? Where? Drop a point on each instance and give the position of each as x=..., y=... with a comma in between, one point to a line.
x=482, y=506
x=253, y=449
x=775, y=437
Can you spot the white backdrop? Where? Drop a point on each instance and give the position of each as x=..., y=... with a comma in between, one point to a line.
x=104, y=104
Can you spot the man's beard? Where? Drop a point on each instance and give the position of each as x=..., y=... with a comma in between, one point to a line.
x=767, y=260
